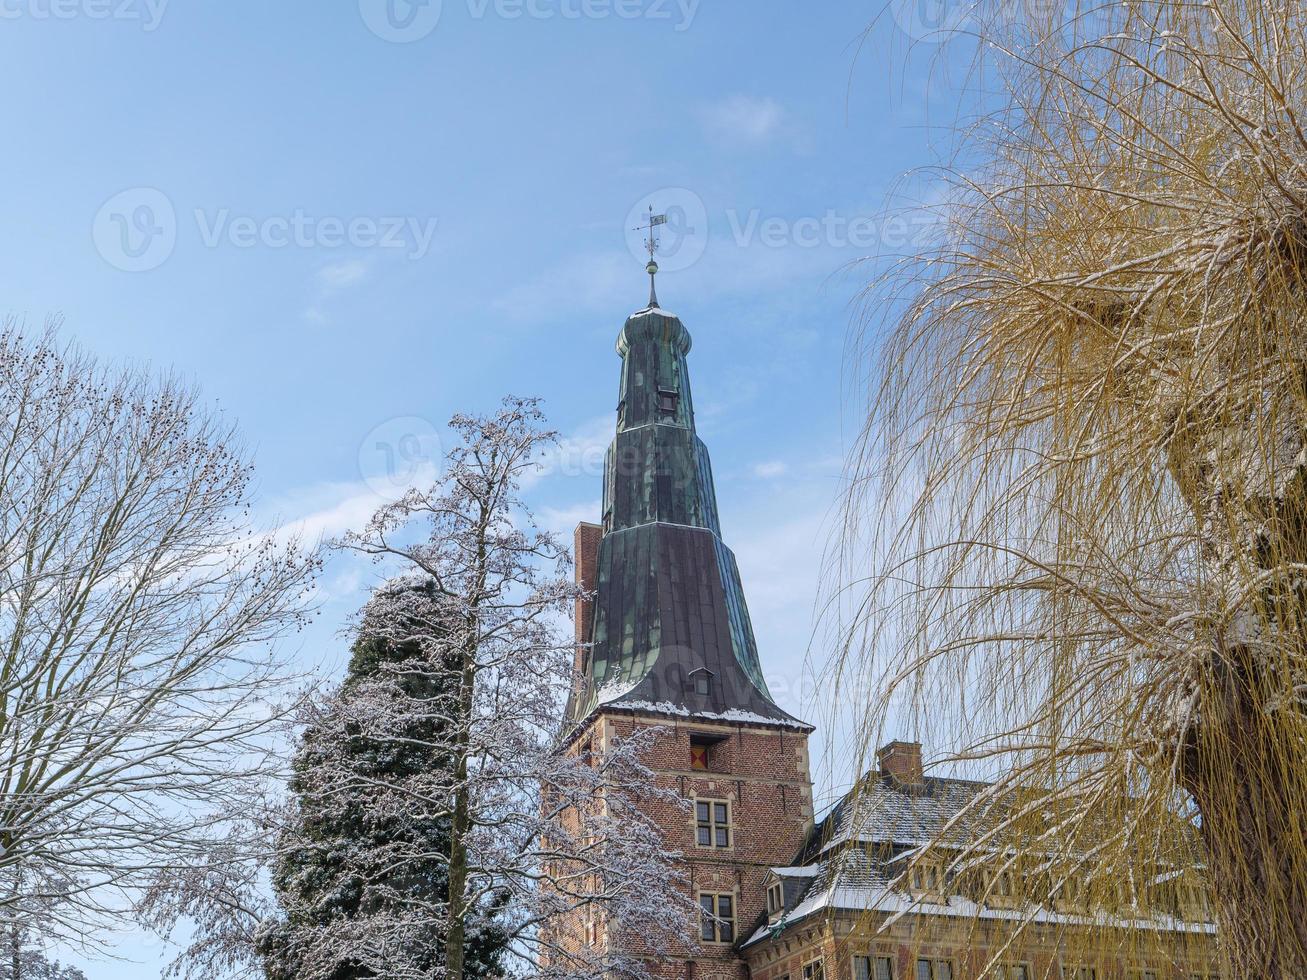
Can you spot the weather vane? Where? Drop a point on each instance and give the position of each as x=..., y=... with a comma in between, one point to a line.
x=651, y=244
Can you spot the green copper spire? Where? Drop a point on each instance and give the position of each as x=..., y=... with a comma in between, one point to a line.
x=671, y=628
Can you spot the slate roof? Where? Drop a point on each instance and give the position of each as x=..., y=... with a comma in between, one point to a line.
x=856, y=853
x=881, y=810
x=855, y=882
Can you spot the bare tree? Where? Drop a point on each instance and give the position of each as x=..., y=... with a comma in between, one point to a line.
x=1081, y=493
x=138, y=690
x=538, y=837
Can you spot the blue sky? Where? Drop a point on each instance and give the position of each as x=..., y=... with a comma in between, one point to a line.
x=346, y=220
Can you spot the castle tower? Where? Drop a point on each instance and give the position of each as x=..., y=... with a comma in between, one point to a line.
x=667, y=641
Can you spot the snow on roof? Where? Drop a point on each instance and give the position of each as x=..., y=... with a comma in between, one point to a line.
x=799, y=871
x=680, y=711
x=885, y=811
x=616, y=688
x=856, y=882
x=882, y=898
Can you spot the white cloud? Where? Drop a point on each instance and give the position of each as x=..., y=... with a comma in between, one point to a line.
x=325, y=510
x=581, y=452
x=742, y=119
x=770, y=469
x=339, y=275
x=332, y=279
x=562, y=521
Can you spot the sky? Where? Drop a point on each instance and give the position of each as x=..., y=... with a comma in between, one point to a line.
x=346, y=220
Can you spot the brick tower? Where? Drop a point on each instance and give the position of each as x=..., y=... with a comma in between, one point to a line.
x=667, y=642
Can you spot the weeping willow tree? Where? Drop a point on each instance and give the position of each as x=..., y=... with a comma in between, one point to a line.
x=1080, y=497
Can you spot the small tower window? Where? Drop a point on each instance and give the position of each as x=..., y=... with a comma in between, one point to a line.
x=701, y=681
x=667, y=400
x=700, y=753
x=702, y=750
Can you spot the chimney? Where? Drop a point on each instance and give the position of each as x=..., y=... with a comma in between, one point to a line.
x=586, y=552
x=902, y=761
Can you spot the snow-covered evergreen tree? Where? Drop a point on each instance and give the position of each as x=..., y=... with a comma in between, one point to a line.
x=22, y=958
x=552, y=836
x=361, y=862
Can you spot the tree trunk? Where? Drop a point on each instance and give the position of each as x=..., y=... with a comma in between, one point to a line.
x=460, y=826
x=1242, y=759
x=1253, y=835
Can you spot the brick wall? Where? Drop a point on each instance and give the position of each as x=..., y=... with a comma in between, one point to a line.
x=762, y=773
x=585, y=550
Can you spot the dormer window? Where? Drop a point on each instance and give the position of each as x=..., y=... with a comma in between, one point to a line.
x=1000, y=889
x=701, y=681
x=927, y=879
x=667, y=401
x=775, y=900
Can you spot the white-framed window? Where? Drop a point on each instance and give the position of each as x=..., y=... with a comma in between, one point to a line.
x=775, y=899
x=717, y=917
x=712, y=823
x=1011, y=971
x=816, y=970
x=928, y=969
x=1079, y=973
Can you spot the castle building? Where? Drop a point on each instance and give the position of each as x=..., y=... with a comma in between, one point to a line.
x=666, y=642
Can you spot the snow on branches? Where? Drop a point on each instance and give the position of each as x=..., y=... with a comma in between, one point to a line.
x=536, y=836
